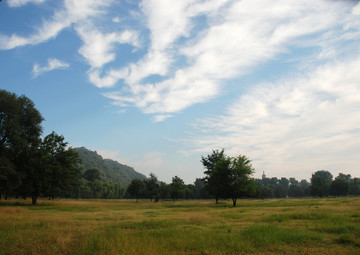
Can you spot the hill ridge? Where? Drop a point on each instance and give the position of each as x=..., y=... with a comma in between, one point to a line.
x=110, y=170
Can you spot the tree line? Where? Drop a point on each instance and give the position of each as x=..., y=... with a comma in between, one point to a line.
x=230, y=178
x=32, y=166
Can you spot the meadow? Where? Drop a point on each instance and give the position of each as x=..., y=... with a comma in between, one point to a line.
x=273, y=226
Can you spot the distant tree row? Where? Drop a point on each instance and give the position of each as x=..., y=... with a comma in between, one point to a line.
x=322, y=184
x=154, y=190
x=226, y=177
x=91, y=186
x=230, y=178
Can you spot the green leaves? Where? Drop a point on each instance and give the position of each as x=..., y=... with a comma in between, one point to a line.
x=228, y=177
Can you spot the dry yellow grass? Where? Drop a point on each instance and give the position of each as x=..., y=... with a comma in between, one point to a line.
x=286, y=226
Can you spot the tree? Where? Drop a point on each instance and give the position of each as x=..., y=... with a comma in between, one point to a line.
x=240, y=182
x=213, y=180
x=164, y=190
x=20, y=130
x=283, y=187
x=190, y=191
x=136, y=189
x=200, y=190
x=341, y=185
x=152, y=187
x=60, y=166
x=228, y=177
x=305, y=188
x=320, y=183
x=177, y=188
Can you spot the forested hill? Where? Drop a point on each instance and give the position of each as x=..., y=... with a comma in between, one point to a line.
x=110, y=170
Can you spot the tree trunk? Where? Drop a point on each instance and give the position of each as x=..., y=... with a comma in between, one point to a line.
x=234, y=201
x=137, y=200
x=217, y=200
x=6, y=196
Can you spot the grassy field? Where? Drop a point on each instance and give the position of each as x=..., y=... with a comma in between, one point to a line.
x=275, y=226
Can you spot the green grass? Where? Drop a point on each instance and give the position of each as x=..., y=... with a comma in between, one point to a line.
x=275, y=226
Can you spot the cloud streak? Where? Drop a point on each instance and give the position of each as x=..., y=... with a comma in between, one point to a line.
x=73, y=11
x=19, y=3
x=52, y=64
x=237, y=37
x=303, y=124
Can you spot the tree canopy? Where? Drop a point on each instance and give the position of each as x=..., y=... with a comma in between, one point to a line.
x=29, y=165
x=228, y=177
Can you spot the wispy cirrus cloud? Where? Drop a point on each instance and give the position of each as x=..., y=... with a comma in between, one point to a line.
x=237, y=36
x=72, y=11
x=191, y=48
x=52, y=64
x=19, y=3
x=296, y=125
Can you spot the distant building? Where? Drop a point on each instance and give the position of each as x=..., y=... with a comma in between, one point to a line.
x=263, y=175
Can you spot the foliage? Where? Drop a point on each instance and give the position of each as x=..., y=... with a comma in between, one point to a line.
x=60, y=166
x=241, y=184
x=320, y=183
x=20, y=130
x=341, y=185
x=214, y=183
x=136, y=189
x=177, y=188
x=228, y=177
x=92, y=174
x=110, y=170
x=29, y=165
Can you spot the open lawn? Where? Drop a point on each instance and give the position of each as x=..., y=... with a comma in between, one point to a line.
x=274, y=226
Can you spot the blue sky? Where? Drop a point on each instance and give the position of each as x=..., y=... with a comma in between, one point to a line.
x=155, y=84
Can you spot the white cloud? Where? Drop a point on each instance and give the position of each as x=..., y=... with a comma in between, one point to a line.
x=159, y=118
x=98, y=47
x=298, y=125
x=18, y=3
x=52, y=64
x=240, y=35
x=196, y=46
x=116, y=20
x=72, y=12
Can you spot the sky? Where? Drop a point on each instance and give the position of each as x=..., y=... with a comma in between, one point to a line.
x=156, y=84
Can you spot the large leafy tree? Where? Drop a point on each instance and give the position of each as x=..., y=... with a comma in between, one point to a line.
x=228, y=177
x=214, y=183
x=136, y=189
x=320, y=183
x=20, y=130
x=28, y=164
x=341, y=185
x=177, y=188
x=60, y=166
x=240, y=182
x=152, y=187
